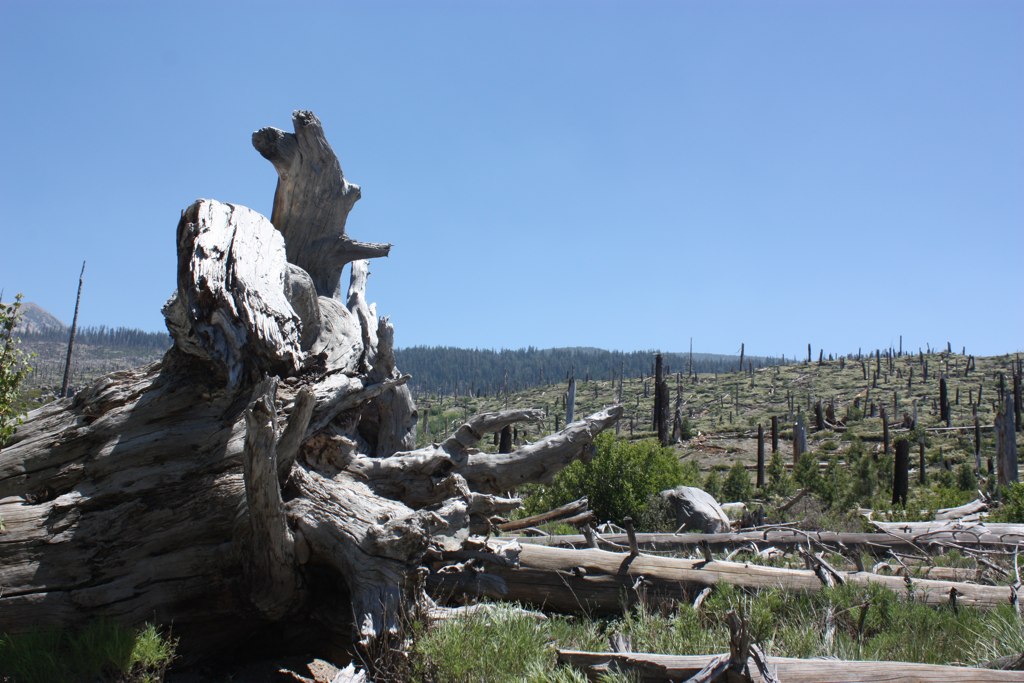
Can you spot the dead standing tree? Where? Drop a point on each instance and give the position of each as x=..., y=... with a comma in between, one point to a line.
x=260, y=474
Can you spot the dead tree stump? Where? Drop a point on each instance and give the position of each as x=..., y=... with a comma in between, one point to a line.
x=260, y=479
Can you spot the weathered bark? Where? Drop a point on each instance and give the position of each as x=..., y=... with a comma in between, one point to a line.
x=312, y=202
x=1006, y=444
x=572, y=509
x=598, y=581
x=933, y=537
x=260, y=476
x=66, y=381
x=760, y=457
x=901, y=472
x=655, y=668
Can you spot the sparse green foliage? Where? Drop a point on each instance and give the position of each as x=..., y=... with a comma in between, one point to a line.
x=100, y=651
x=713, y=484
x=806, y=472
x=1012, y=508
x=686, y=428
x=779, y=481
x=965, y=479
x=14, y=368
x=737, y=486
x=871, y=622
x=835, y=487
x=618, y=481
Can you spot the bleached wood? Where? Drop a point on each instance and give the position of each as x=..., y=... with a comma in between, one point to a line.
x=587, y=580
x=231, y=281
x=660, y=667
x=261, y=474
x=567, y=510
x=539, y=461
x=270, y=562
x=312, y=201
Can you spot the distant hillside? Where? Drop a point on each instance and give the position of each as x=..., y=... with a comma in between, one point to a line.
x=34, y=319
x=435, y=369
x=446, y=370
x=98, y=350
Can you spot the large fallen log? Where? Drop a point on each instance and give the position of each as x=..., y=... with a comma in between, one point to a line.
x=258, y=481
x=929, y=539
x=598, y=581
x=958, y=531
x=660, y=668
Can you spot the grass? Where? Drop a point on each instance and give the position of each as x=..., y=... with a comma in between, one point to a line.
x=871, y=623
x=100, y=651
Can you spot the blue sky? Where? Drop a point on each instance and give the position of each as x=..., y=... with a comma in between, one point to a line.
x=611, y=174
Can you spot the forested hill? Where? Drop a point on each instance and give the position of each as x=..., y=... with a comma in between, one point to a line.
x=448, y=370
x=101, y=336
x=434, y=369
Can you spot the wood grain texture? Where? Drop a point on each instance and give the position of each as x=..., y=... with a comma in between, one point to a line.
x=590, y=580
x=658, y=668
x=260, y=476
x=928, y=538
x=312, y=201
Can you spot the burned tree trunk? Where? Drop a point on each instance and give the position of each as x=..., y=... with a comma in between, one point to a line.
x=1006, y=444
x=260, y=476
x=66, y=382
x=760, y=456
x=901, y=473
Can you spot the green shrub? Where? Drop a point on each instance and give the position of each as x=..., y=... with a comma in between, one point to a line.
x=779, y=481
x=737, y=484
x=1012, y=509
x=14, y=368
x=965, y=479
x=619, y=480
x=835, y=487
x=865, y=480
x=806, y=471
x=713, y=484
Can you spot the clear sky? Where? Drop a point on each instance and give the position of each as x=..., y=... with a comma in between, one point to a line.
x=625, y=175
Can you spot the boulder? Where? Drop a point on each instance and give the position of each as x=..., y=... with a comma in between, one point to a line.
x=696, y=510
x=734, y=511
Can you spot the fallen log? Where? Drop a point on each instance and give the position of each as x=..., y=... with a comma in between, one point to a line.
x=658, y=668
x=957, y=532
x=568, y=510
x=878, y=544
x=598, y=581
x=966, y=510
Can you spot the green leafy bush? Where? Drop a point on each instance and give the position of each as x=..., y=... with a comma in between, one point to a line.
x=618, y=481
x=835, y=487
x=1012, y=509
x=806, y=472
x=965, y=479
x=14, y=368
x=713, y=484
x=737, y=485
x=779, y=481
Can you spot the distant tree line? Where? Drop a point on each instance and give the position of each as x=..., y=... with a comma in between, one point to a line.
x=111, y=337
x=453, y=371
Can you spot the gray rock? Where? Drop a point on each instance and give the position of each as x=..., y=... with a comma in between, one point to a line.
x=696, y=510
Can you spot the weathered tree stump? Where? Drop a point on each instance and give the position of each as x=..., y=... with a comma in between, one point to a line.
x=260, y=475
